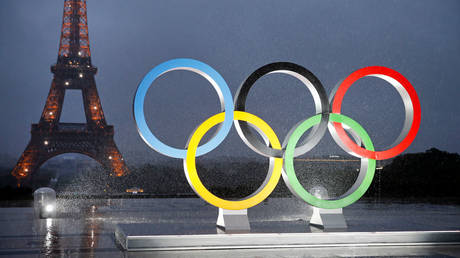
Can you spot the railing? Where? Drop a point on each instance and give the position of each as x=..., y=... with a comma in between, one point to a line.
x=73, y=127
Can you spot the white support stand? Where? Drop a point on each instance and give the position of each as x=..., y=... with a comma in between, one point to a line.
x=328, y=218
x=233, y=220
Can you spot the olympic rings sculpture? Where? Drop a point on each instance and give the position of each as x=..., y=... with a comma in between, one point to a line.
x=281, y=156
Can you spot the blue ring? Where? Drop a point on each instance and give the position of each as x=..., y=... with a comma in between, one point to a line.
x=182, y=64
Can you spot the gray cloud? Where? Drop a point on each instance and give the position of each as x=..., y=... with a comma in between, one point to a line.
x=420, y=39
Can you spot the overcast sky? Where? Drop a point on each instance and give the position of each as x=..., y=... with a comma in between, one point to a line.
x=420, y=39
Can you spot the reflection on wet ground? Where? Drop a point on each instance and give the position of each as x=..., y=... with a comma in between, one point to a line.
x=79, y=231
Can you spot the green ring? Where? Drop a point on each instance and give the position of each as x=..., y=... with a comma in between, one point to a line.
x=290, y=171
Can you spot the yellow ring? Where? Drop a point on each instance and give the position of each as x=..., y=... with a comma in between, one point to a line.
x=200, y=189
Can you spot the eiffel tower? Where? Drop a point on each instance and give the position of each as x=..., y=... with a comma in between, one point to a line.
x=73, y=71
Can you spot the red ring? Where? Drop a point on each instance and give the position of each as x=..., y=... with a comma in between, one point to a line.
x=337, y=104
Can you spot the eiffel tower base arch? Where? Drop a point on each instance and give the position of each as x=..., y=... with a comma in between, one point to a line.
x=97, y=144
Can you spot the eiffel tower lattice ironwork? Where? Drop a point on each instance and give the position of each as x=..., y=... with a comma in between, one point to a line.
x=73, y=71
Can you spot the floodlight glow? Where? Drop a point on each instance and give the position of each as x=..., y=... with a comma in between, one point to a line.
x=49, y=208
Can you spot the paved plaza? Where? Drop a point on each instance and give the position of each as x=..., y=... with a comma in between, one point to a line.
x=79, y=232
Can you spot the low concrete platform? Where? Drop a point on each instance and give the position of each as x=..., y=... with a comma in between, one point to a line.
x=148, y=237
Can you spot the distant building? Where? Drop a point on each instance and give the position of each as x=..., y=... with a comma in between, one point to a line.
x=135, y=190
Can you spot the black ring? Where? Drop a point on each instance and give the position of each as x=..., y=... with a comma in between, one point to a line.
x=319, y=96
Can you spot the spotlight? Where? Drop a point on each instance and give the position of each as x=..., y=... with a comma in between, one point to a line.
x=49, y=208
x=45, y=202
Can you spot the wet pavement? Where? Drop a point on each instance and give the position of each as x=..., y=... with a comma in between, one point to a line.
x=78, y=232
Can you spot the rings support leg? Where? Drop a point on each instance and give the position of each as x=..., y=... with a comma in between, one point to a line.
x=328, y=219
x=233, y=221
